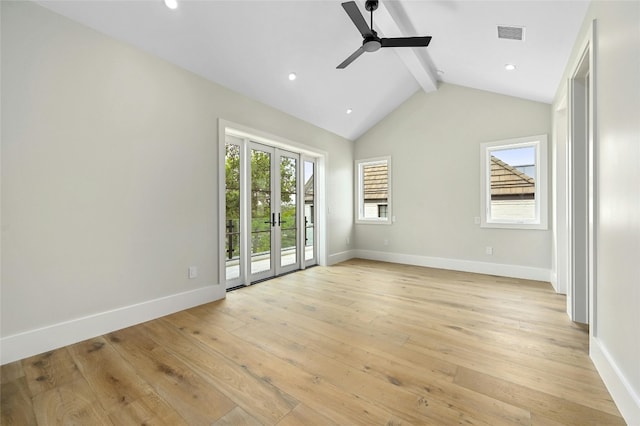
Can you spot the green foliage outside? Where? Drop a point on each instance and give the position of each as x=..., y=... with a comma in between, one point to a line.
x=260, y=200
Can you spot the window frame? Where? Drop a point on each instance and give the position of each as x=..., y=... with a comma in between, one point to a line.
x=540, y=222
x=359, y=193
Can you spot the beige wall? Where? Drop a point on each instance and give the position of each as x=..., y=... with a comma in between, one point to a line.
x=109, y=172
x=617, y=295
x=434, y=141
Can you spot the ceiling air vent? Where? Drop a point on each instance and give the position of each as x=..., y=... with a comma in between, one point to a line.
x=511, y=33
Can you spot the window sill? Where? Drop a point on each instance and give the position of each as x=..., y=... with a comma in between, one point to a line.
x=515, y=225
x=372, y=222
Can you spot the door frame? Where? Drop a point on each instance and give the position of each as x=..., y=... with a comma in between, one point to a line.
x=320, y=157
x=314, y=259
x=582, y=189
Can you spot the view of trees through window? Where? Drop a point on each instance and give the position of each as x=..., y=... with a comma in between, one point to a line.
x=288, y=222
x=232, y=203
x=261, y=211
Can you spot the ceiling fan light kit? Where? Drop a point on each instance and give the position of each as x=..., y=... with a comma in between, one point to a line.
x=370, y=40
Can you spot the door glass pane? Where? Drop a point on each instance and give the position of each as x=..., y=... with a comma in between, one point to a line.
x=232, y=218
x=513, y=183
x=260, y=211
x=287, y=219
x=309, y=196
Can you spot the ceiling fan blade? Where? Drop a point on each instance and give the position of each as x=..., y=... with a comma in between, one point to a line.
x=354, y=13
x=405, y=42
x=351, y=58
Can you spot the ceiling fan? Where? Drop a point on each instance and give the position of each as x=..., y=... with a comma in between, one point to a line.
x=371, y=42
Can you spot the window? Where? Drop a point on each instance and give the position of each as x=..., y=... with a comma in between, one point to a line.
x=514, y=183
x=374, y=190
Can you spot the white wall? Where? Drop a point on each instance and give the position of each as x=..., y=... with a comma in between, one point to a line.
x=109, y=179
x=615, y=347
x=434, y=141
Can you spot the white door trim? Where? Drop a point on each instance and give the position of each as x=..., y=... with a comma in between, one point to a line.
x=583, y=191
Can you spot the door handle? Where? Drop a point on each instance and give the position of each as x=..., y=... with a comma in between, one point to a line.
x=279, y=219
x=273, y=220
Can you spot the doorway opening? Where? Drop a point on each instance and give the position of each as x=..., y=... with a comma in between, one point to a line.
x=270, y=190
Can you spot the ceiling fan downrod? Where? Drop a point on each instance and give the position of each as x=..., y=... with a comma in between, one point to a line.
x=371, y=5
x=371, y=42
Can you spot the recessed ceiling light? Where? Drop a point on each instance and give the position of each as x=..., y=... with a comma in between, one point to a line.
x=292, y=76
x=349, y=110
x=509, y=67
x=171, y=4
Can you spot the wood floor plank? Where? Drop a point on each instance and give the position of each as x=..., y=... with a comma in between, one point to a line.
x=149, y=410
x=320, y=394
x=16, y=407
x=113, y=380
x=49, y=370
x=566, y=379
x=563, y=411
x=554, y=382
x=386, y=393
x=304, y=415
x=407, y=323
x=72, y=403
x=221, y=319
x=406, y=391
x=243, y=307
x=237, y=417
x=265, y=402
x=358, y=343
x=381, y=379
x=187, y=392
x=11, y=371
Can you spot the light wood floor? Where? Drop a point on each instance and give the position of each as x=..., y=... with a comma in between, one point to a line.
x=358, y=343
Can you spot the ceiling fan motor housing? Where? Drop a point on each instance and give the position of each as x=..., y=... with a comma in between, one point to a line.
x=371, y=43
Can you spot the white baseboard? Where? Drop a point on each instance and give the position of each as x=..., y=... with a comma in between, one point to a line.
x=503, y=270
x=627, y=400
x=553, y=279
x=33, y=342
x=340, y=257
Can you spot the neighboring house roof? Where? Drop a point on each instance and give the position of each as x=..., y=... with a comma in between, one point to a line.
x=308, y=191
x=375, y=183
x=506, y=181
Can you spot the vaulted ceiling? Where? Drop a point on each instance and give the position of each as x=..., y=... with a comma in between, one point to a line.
x=252, y=46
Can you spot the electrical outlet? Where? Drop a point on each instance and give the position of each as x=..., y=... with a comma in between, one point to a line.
x=476, y=220
x=348, y=240
x=193, y=272
x=488, y=250
x=386, y=242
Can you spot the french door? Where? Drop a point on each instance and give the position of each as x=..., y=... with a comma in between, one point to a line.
x=273, y=215
x=270, y=217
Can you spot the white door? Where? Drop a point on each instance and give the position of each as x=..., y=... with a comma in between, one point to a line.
x=273, y=212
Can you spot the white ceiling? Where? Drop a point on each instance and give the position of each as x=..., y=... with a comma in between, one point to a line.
x=252, y=46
